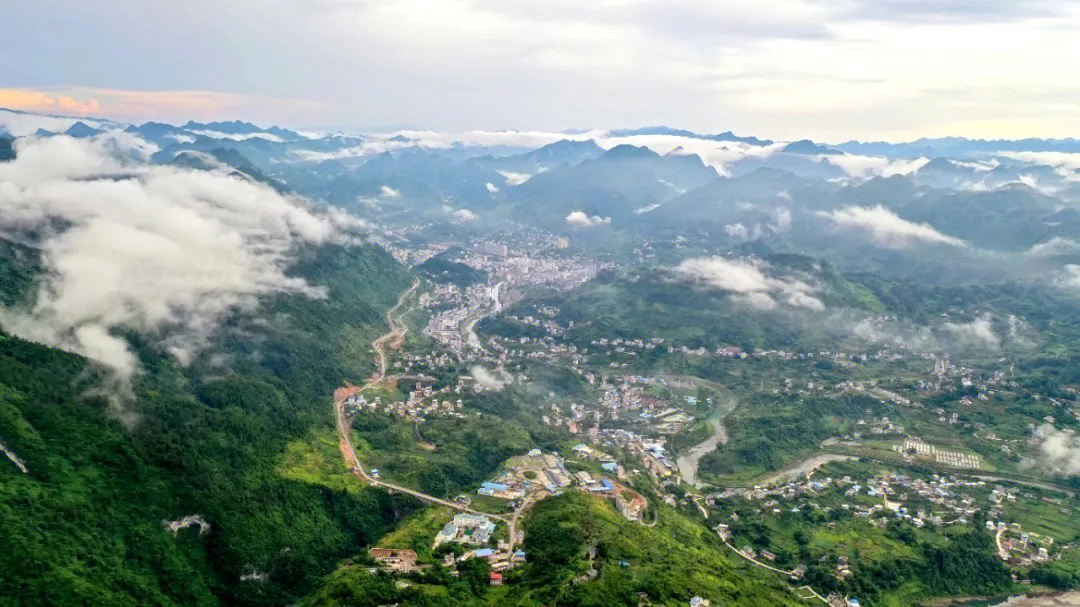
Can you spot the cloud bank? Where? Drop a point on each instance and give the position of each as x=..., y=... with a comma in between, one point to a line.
x=749, y=281
x=166, y=251
x=887, y=228
x=977, y=333
x=1060, y=448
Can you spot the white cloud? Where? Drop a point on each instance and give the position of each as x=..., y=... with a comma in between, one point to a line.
x=161, y=250
x=1032, y=182
x=737, y=230
x=581, y=219
x=977, y=333
x=491, y=187
x=720, y=155
x=20, y=124
x=867, y=166
x=1072, y=275
x=388, y=192
x=887, y=228
x=781, y=219
x=238, y=136
x=1060, y=449
x=1066, y=163
x=513, y=178
x=462, y=216
x=800, y=299
x=488, y=381
x=1054, y=247
x=750, y=280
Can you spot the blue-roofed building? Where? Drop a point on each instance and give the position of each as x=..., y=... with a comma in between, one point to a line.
x=609, y=466
x=484, y=553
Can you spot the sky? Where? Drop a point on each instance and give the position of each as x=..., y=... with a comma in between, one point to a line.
x=783, y=69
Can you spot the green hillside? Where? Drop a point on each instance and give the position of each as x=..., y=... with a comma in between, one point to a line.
x=84, y=526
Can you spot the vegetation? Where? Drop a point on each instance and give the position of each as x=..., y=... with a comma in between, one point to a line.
x=443, y=268
x=237, y=443
x=668, y=564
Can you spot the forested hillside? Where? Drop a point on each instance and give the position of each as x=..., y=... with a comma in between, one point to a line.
x=84, y=525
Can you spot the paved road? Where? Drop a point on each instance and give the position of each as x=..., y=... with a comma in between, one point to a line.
x=343, y=423
x=993, y=478
x=1002, y=553
x=397, y=331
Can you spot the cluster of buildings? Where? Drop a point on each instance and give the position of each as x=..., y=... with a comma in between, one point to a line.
x=423, y=402
x=456, y=309
x=530, y=266
x=467, y=529
x=629, y=503
x=651, y=452
x=526, y=474
x=1023, y=548
x=917, y=448
x=626, y=405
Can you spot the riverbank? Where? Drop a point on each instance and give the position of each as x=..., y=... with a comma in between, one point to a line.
x=688, y=462
x=1069, y=598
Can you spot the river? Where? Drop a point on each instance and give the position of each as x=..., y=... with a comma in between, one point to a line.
x=688, y=462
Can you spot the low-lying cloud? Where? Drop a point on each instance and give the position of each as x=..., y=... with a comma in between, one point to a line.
x=869, y=166
x=488, y=381
x=462, y=216
x=162, y=250
x=581, y=219
x=749, y=280
x=1060, y=449
x=976, y=333
x=887, y=228
x=513, y=178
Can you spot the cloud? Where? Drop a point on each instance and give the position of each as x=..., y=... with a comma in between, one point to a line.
x=1060, y=449
x=27, y=100
x=887, y=228
x=20, y=124
x=1072, y=276
x=1032, y=182
x=737, y=231
x=488, y=381
x=513, y=178
x=491, y=187
x=1054, y=247
x=141, y=105
x=462, y=216
x=388, y=192
x=750, y=281
x=977, y=333
x=238, y=136
x=1067, y=164
x=781, y=219
x=581, y=219
x=165, y=251
x=867, y=166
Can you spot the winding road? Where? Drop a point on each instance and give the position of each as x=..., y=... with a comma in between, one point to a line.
x=344, y=424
